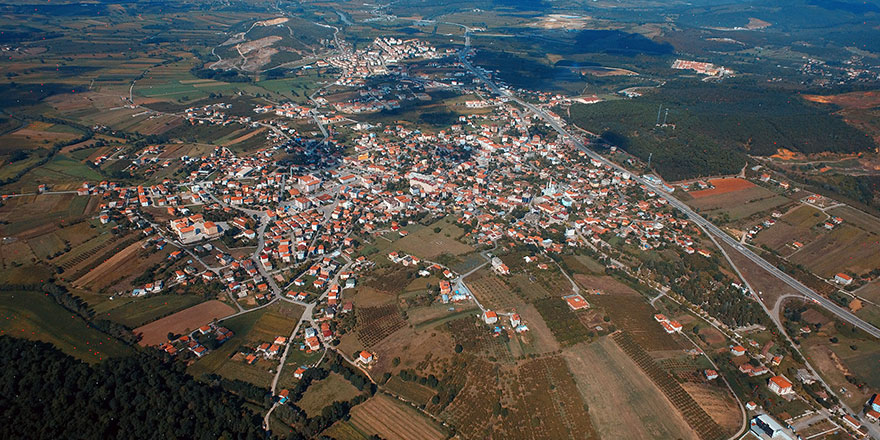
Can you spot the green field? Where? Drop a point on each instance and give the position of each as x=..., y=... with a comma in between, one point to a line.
x=135, y=312
x=34, y=315
x=322, y=393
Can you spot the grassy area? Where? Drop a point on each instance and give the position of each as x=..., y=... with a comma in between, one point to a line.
x=34, y=315
x=139, y=311
x=326, y=391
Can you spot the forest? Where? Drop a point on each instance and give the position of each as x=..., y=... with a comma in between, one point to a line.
x=47, y=394
x=711, y=127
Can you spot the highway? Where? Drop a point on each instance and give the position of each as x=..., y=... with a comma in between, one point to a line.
x=708, y=226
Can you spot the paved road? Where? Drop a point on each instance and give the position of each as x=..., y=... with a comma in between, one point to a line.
x=844, y=314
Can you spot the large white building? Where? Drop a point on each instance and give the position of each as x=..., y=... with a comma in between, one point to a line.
x=765, y=427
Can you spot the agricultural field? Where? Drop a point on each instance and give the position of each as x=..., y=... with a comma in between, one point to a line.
x=846, y=248
x=136, y=312
x=567, y=328
x=185, y=320
x=492, y=292
x=694, y=415
x=799, y=224
x=411, y=391
x=250, y=329
x=33, y=215
x=476, y=337
x=425, y=243
x=326, y=391
x=377, y=323
x=609, y=380
x=118, y=270
x=389, y=419
x=544, y=403
x=634, y=315
x=717, y=401
x=738, y=203
x=34, y=315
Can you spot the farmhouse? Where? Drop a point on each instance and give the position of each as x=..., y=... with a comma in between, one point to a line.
x=843, y=279
x=365, y=357
x=490, y=317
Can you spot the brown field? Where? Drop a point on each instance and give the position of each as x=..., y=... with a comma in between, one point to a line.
x=194, y=317
x=718, y=403
x=870, y=291
x=111, y=267
x=492, y=291
x=245, y=136
x=545, y=403
x=471, y=412
x=722, y=186
x=713, y=336
x=426, y=243
x=636, y=316
x=377, y=323
x=795, y=225
x=741, y=203
x=845, y=248
x=609, y=380
x=326, y=391
x=384, y=416
x=857, y=218
x=604, y=285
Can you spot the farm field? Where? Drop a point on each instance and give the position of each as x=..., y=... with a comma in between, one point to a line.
x=377, y=323
x=609, y=380
x=140, y=311
x=701, y=423
x=796, y=225
x=121, y=265
x=492, y=292
x=722, y=186
x=384, y=416
x=34, y=315
x=411, y=391
x=846, y=248
x=33, y=215
x=426, y=243
x=634, y=314
x=545, y=403
x=870, y=291
x=191, y=318
x=717, y=401
x=567, y=328
x=739, y=203
x=326, y=391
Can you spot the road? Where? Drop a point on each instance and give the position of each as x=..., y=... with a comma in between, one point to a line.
x=841, y=313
